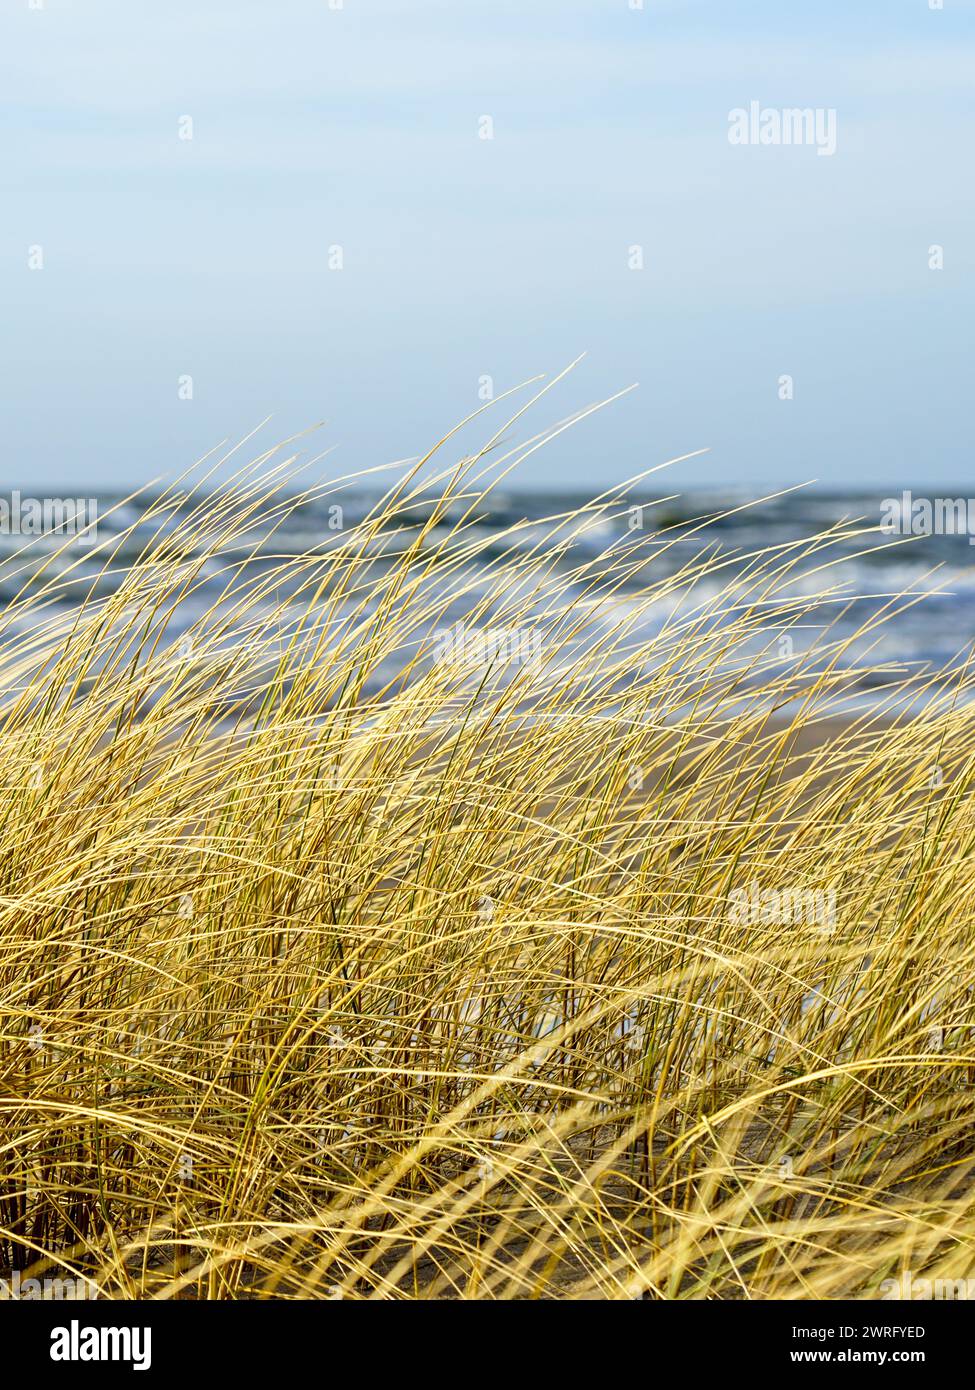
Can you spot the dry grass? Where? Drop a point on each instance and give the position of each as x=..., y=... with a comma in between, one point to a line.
x=320, y=982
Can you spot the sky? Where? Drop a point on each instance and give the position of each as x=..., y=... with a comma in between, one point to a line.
x=338, y=242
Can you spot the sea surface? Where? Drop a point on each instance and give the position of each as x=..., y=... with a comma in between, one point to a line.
x=924, y=583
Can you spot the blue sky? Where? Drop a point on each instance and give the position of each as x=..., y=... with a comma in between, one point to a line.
x=357, y=127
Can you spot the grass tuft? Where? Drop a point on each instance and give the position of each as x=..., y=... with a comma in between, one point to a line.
x=582, y=951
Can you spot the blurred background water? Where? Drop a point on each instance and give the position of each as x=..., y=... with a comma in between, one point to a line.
x=866, y=571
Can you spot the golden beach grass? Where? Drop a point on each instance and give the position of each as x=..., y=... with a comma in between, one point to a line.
x=316, y=982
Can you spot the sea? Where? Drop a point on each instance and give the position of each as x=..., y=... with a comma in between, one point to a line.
x=872, y=584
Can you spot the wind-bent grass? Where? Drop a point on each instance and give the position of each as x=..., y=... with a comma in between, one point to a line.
x=336, y=960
